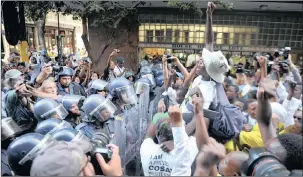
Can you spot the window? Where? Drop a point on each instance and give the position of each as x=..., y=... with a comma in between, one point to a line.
x=169, y=35
x=243, y=39
x=225, y=38
x=236, y=39
x=149, y=35
x=186, y=36
x=215, y=37
x=159, y=35
x=177, y=35
x=253, y=39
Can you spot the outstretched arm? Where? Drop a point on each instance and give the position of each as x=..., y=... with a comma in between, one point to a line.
x=209, y=40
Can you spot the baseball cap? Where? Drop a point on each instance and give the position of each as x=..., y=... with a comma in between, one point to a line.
x=61, y=159
x=179, y=75
x=12, y=74
x=120, y=60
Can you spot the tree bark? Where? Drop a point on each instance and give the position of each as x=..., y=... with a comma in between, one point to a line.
x=84, y=37
x=41, y=27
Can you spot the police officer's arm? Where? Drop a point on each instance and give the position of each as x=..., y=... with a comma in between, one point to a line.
x=209, y=40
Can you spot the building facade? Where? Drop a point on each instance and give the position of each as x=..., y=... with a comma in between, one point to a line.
x=235, y=32
x=71, y=42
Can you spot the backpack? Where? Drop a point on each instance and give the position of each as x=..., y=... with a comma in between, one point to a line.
x=229, y=122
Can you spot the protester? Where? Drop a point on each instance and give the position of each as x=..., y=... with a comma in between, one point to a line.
x=211, y=118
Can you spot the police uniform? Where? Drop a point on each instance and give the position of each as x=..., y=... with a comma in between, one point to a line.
x=90, y=128
x=74, y=89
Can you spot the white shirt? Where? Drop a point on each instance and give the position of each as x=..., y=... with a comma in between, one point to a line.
x=279, y=110
x=281, y=92
x=118, y=70
x=208, y=89
x=291, y=106
x=156, y=162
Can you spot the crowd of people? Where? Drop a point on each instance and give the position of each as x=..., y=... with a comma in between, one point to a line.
x=61, y=118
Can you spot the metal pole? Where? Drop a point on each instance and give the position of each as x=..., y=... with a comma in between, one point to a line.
x=58, y=23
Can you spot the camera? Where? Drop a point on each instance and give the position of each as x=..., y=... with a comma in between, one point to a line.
x=99, y=142
x=282, y=52
x=57, y=69
x=169, y=59
x=263, y=163
x=284, y=67
x=286, y=52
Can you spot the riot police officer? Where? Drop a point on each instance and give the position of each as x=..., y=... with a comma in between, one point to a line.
x=22, y=151
x=98, y=86
x=99, y=117
x=123, y=94
x=65, y=84
x=147, y=72
x=74, y=136
x=50, y=125
x=49, y=108
x=73, y=103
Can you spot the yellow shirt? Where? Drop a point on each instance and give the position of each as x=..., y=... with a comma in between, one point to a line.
x=252, y=138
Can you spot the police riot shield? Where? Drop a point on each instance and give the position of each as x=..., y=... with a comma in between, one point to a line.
x=130, y=130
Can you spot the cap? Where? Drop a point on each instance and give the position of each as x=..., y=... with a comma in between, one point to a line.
x=180, y=75
x=120, y=60
x=12, y=74
x=61, y=159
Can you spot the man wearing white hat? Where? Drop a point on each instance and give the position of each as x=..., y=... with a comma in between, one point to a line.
x=211, y=69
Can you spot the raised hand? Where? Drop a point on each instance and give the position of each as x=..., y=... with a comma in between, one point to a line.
x=175, y=115
x=211, y=7
x=198, y=105
x=262, y=61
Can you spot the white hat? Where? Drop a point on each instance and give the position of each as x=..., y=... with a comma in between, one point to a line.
x=12, y=74
x=215, y=64
x=281, y=112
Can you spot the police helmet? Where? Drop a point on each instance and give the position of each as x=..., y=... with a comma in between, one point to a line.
x=117, y=83
x=66, y=72
x=47, y=108
x=158, y=72
x=21, y=152
x=160, y=80
x=144, y=63
x=97, y=107
x=65, y=134
x=124, y=90
x=74, y=136
x=146, y=70
x=50, y=125
x=68, y=100
x=97, y=85
x=142, y=84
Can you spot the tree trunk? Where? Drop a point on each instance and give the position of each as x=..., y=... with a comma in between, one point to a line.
x=41, y=27
x=84, y=37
